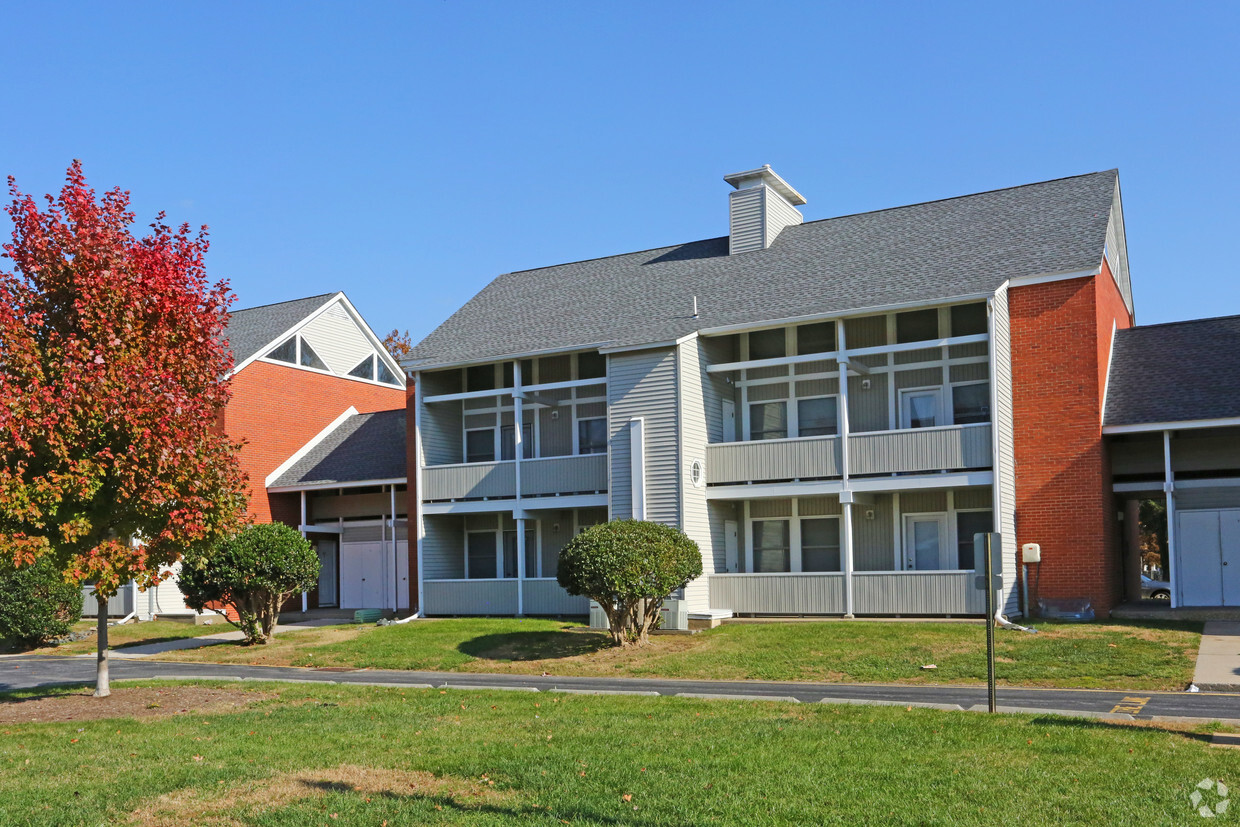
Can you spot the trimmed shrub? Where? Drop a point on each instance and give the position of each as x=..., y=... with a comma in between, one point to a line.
x=36, y=604
x=629, y=567
x=254, y=571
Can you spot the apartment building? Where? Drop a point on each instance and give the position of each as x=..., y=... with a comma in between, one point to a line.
x=831, y=409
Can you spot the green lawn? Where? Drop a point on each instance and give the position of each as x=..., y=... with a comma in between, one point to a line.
x=1112, y=654
x=300, y=754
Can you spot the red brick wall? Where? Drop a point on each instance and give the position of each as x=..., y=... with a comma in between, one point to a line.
x=278, y=409
x=1061, y=340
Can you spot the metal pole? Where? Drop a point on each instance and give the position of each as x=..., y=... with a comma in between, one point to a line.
x=990, y=627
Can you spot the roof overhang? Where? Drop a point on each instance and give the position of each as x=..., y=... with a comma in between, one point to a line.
x=327, y=486
x=1183, y=425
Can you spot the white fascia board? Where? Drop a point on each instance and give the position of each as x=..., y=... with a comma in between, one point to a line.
x=375, y=341
x=504, y=506
x=427, y=365
x=835, y=315
x=1106, y=387
x=265, y=349
x=308, y=447
x=329, y=486
x=1185, y=425
x=1046, y=278
x=1156, y=485
x=647, y=345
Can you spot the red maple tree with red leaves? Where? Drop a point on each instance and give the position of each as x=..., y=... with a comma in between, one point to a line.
x=113, y=375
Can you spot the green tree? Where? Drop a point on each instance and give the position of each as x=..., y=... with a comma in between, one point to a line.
x=629, y=567
x=36, y=604
x=254, y=571
x=113, y=373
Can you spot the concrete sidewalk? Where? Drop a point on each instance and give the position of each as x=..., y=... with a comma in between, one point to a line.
x=1218, y=659
x=178, y=644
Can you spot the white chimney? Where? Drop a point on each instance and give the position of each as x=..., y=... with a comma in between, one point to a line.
x=762, y=205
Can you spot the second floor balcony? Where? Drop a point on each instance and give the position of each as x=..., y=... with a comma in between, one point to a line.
x=551, y=476
x=906, y=451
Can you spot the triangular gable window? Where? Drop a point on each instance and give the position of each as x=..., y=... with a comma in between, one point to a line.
x=386, y=376
x=365, y=370
x=286, y=352
x=309, y=358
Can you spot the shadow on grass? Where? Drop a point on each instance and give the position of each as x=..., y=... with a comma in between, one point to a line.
x=1088, y=723
x=522, y=646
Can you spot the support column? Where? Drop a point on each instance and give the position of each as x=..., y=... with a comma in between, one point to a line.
x=395, y=555
x=846, y=494
x=417, y=528
x=305, y=597
x=1132, y=550
x=1173, y=560
x=518, y=455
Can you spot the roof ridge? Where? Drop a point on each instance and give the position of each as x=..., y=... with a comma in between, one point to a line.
x=286, y=301
x=1180, y=322
x=815, y=221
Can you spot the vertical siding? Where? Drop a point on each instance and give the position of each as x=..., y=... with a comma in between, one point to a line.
x=720, y=513
x=779, y=214
x=867, y=409
x=922, y=502
x=979, y=497
x=1117, y=248
x=643, y=385
x=1005, y=462
x=925, y=377
x=337, y=339
x=546, y=597
x=745, y=220
x=557, y=530
x=873, y=542
x=474, y=597
x=443, y=547
x=867, y=331
x=694, y=434
x=555, y=425
x=715, y=388
x=441, y=433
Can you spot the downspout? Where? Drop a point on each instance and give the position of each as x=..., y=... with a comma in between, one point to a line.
x=1169, y=490
x=846, y=494
x=518, y=453
x=134, y=586
x=414, y=477
x=395, y=559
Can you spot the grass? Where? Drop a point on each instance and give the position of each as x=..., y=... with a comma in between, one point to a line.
x=1122, y=655
x=338, y=755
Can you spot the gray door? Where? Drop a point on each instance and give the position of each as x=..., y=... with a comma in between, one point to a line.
x=1229, y=542
x=1208, y=552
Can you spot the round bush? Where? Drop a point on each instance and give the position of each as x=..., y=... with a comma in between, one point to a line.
x=629, y=567
x=36, y=604
x=254, y=571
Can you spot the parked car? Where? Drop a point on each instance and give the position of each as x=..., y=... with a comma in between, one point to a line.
x=1155, y=589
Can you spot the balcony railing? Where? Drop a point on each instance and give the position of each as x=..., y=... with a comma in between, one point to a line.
x=497, y=480
x=469, y=481
x=874, y=593
x=773, y=459
x=949, y=448
x=563, y=475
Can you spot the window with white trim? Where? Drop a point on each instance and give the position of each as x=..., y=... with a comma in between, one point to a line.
x=817, y=416
x=820, y=544
x=768, y=420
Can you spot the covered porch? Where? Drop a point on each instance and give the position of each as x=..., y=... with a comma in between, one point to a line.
x=907, y=552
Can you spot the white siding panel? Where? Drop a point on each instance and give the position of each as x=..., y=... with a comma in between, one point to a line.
x=694, y=434
x=644, y=385
x=1005, y=461
x=443, y=547
x=337, y=339
x=779, y=214
x=745, y=208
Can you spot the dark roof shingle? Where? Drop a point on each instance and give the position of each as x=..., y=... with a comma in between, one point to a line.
x=1175, y=372
x=364, y=447
x=253, y=328
x=927, y=252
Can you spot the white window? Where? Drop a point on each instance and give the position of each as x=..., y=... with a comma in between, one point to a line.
x=820, y=544
x=817, y=416
x=920, y=408
x=480, y=445
x=768, y=420
x=971, y=403
x=772, y=548
x=592, y=436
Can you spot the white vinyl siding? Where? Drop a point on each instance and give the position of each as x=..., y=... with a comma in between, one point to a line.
x=337, y=339
x=643, y=385
x=1005, y=459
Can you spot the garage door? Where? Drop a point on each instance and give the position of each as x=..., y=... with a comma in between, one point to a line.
x=1208, y=552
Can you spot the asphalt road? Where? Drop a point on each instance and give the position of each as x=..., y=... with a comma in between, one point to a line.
x=29, y=672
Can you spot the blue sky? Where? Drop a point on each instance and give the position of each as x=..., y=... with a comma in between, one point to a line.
x=408, y=153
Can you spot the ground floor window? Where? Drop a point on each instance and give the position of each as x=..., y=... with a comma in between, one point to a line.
x=796, y=544
x=969, y=523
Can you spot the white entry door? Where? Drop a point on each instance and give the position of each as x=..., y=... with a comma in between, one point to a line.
x=925, y=542
x=362, y=576
x=1208, y=556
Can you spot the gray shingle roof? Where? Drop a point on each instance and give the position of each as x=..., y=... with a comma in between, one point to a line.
x=1175, y=372
x=253, y=328
x=364, y=447
x=925, y=252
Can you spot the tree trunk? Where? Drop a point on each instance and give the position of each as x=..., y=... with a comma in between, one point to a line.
x=102, y=687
